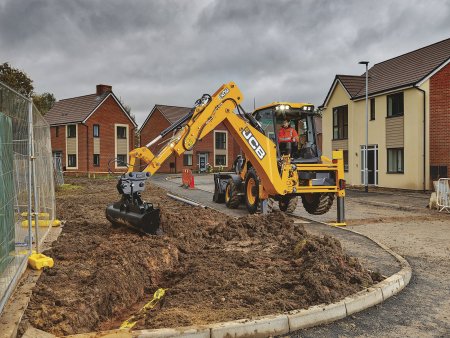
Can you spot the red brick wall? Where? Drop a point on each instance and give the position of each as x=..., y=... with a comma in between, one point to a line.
x=154, y=126
x=440, y=118
x=106, y=116
x=59, y=143
x=158, y=122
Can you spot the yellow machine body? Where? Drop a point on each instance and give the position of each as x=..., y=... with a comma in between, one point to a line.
x=277, y=176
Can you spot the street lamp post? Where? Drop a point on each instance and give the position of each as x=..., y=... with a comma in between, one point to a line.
x=366, y=152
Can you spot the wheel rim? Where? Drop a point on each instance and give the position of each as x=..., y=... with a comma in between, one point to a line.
x=250, y=197
x=227, y=193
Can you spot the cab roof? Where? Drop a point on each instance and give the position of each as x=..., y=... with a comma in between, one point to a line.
x=291, y=104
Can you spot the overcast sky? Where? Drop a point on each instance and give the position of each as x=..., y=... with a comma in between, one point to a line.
x=171, y=52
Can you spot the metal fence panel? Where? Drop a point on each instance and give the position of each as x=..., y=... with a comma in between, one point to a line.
x=28, y=133
x=58, y=170
x=6, y=193
x=443, y=194
x=14, y=108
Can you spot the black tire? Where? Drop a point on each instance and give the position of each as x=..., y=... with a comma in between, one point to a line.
x=217, y=196
x=317, y=203
x=232, y=198
x=288, y=204
x=251, y=190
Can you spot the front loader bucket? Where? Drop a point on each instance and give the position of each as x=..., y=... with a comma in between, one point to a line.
x=144, y=218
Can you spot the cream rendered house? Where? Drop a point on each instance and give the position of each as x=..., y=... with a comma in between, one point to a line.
x=409, y=120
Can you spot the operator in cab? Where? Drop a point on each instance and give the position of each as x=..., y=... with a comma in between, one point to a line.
x=288, y=139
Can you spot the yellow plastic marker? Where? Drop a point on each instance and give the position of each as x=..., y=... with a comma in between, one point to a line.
x=130, y=322
x=24, y=252
x=42, y=215
x=38, y=261
x=338, y=224
x=42, y=223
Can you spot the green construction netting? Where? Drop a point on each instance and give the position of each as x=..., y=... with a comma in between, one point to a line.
x=7, y=227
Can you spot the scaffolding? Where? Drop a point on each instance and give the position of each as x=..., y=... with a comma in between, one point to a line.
x=27, y=194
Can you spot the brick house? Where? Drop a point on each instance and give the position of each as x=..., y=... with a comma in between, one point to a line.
x=88, y=131
x=217, y=148
x=409, y=120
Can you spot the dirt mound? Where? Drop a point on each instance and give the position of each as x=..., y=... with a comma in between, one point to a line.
x=214, y=268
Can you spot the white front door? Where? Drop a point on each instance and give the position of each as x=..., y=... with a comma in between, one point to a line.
x=202, y=160
x=372, y=164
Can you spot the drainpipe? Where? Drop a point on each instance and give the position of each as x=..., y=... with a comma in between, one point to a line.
x=424, y=137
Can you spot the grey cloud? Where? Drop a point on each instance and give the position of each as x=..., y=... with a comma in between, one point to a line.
x=170, y=52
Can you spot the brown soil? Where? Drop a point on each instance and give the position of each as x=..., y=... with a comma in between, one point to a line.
x=215, y=268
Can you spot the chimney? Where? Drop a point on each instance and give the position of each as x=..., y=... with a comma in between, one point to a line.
x=102, y=89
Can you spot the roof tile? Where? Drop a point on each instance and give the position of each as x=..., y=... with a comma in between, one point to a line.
x=406, y=69
x=73, y=110
x=402, y=71
x=172, y=113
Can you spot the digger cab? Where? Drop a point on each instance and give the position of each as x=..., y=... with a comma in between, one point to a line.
x=300, y=117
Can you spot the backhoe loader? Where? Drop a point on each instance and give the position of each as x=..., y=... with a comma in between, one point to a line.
x=268, y=172
x=315, y=179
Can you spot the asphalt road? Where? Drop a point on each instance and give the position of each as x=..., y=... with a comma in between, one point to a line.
x=400, y=221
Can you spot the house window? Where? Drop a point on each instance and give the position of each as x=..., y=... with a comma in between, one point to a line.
x=72, y=161
x=221, y=139
x=345, y=153
x=220, y=160
x=71, y=130
x=96, y=130
x=395, y=160
x=121, y=160
x=340, y=123
x=56, y=131
x=187, y=159
x=395, y=105
x=122, y=132
x=438, y=171
x=96, y=160
x=372, y=109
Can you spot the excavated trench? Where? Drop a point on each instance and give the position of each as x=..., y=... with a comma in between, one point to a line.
x=215, y=268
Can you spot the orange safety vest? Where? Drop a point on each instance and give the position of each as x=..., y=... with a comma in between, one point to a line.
x=287, y=135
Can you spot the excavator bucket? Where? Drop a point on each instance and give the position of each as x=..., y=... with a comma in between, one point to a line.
x=146, y=220
x=131, y=211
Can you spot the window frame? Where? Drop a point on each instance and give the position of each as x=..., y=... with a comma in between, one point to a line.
x=186, y=161
x=372, y=109
x=119, y=162
x=220, y=165
x=69, y=126
x=388, y=163
x=224, y=142
x=117, y=132
x=69, y=161
x=98, y=163
x=96, y=135
x=340, y=121
x=389, y=112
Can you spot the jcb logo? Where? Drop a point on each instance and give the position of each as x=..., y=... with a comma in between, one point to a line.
x=224, y=93
x=260, y=152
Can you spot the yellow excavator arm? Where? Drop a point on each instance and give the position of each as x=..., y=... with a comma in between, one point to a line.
x=203, y=119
